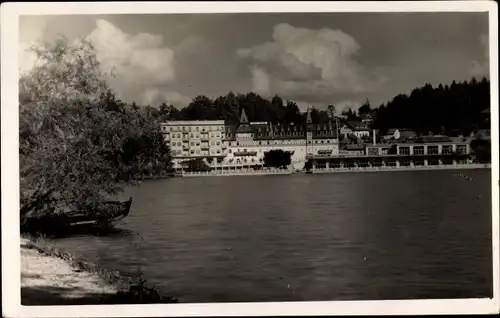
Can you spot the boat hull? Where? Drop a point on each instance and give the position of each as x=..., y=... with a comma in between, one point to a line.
x=97, y=218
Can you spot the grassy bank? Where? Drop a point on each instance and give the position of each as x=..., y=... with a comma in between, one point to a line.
x=53, y=277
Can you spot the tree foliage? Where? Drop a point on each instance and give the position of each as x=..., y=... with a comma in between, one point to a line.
x=277, y=158
x=481, y=148
x=365, y=109
x=229, y=106
x=445, y=109
x=76, y=139
x=196, y=165
x=440, y=110
x=350, y=114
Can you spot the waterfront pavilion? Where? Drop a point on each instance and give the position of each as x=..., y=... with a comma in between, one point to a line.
x=399, y=155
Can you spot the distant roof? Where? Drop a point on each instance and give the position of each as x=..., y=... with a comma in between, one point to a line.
x=362, y=127
x=391, y=131
x=407, y=133
x=308, y=118
x=353, y=123
x=244, y=126
x=430, y=139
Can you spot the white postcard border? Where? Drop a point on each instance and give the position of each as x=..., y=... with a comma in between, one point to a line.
x=11, y=307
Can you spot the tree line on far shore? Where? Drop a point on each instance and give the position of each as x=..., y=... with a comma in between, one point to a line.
x=461, y=107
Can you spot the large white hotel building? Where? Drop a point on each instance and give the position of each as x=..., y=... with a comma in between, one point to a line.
x=224, y=146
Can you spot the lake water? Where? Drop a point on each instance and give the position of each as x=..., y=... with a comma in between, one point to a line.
x=358, y=236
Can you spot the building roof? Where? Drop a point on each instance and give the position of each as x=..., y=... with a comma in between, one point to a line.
x=407, y=134
x=367, y=116
x=308, y=118
x=433, y=139
x=362, y=127
x=353, y=123
x=244, y=126
x=269, y=131
x=392, y=131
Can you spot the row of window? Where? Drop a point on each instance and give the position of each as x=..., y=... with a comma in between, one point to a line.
x=179, y=152
x=197, y=135
x=420, y=150
x=189, y=128
x=281, y=142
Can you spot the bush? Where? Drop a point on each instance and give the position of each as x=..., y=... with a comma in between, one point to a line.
x=277, y=158
x=481, y=149
x=196, y=165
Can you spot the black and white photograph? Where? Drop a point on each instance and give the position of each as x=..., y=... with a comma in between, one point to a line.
x=245, y=156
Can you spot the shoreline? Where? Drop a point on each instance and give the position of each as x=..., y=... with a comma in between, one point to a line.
x=333, y=170
x=395, y=169
x=237, y=173
x=50, y=276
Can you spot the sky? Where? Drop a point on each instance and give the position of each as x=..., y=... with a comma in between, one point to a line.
x=314, y=59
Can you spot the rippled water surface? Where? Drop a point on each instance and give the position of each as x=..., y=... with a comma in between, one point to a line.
x=359, y=236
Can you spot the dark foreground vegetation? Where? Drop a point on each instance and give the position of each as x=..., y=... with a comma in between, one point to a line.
x=79, y=145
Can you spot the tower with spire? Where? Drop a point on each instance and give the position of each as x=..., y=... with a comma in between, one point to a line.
x=244, y=130
x=309, y=133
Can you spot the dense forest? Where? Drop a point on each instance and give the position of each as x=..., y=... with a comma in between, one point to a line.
x=458, y=107
x=455, y=108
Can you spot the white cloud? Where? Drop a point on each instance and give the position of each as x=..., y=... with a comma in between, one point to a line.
x=260, y=80
x=303, y=62
x=27, y=59
x=143, y=67
x=135, y=59
x=192, y=45
x=345, y=104
x=31, y=30
x=482, y=68
x=156, y=96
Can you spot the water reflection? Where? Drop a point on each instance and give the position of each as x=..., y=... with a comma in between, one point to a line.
x=331, y=237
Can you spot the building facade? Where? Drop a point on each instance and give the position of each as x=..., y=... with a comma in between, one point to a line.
x=402, y=154
x=224, y=146
x=359, y=129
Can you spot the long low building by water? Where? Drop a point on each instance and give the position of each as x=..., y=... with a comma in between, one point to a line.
x=447, y=152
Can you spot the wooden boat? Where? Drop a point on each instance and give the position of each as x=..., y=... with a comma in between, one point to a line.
x=103, y=215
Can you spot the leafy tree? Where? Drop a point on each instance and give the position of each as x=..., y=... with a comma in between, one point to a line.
x=481, y=148
x=350, y=114
x=201, y=107
x=331, y=111
x=308, y=165
x=196, y=165
x=72, y=130
x=277, y=158
x=292, y=113
x=364, y=109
